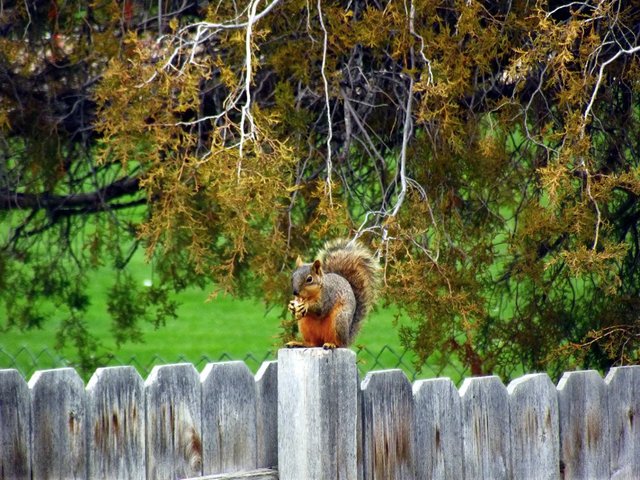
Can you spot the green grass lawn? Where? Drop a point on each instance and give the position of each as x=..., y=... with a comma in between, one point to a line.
x=223, y=328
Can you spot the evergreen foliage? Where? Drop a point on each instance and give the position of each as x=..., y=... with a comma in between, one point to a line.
x=487, y=150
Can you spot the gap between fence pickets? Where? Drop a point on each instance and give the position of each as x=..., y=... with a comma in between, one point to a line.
x=485, y=429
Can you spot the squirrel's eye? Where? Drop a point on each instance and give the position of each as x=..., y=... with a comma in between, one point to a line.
x=309, y=279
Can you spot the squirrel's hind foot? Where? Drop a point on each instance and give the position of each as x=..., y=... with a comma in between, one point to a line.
x=294, y=344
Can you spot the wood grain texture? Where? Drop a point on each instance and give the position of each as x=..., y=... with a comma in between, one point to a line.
x=326, y=427
x=58, y=424
x=15, y=413
x=388, y=426
x=267, y=414
x=173, y=422
x=317, y=392
x=584, y=426
x=623, y=389
x=228, y=418
x=535, y=431
x=115, y=420
x=259, y=474
x=485, y=428
x=438, y=429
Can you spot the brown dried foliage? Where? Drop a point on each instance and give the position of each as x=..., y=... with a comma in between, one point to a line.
x=488, y=151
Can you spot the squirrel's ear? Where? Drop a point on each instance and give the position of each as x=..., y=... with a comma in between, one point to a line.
x=317, y=267
x=299, y=262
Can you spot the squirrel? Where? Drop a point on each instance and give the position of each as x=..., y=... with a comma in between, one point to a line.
x=333, y=294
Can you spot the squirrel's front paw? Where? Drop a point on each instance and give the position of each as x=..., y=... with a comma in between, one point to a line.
x=329, y=346
x=292, y=306
x=298, y=308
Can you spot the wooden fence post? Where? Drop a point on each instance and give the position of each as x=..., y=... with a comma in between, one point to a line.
x=535, y=433
x=179, y=423
x=438, y=447
x=317, y=411
x=584, y=426
x=388, y=426
x=115, y=420
x=267, y=414
x=228, y=418
x=623, y=387
x=15, y=412
x=58, y=420
x=485, y=428
x=173, y=422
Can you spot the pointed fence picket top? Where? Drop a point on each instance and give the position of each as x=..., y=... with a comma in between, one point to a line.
x=388, y=426
x=115, y=421
x=267, y=414
x=438, y=444
x=584, y=426
x=485, y=428
x=173, y=410
x=58, y=420
x=228, y=418
x=309, y=416
x=535, y=433
x=623, y=388
x=317, y=413
x=15, y=413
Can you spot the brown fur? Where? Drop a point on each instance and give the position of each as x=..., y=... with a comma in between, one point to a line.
x=358, y=266
x=317, y=331
x=334, y=293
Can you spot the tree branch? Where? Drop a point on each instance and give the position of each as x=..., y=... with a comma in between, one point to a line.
x=96, y=201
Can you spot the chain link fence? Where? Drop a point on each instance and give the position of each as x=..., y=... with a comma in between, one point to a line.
x=27, y=361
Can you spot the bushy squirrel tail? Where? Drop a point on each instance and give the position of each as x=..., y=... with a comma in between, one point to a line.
x=359, y=267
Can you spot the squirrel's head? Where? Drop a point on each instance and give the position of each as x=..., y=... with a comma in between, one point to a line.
x=306, y=280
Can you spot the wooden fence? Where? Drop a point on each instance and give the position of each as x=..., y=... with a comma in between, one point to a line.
x=311, y=417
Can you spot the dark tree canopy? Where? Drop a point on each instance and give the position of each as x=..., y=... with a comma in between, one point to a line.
x=487, y=150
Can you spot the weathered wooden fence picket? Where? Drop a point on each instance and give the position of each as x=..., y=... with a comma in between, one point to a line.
x=308, y=416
